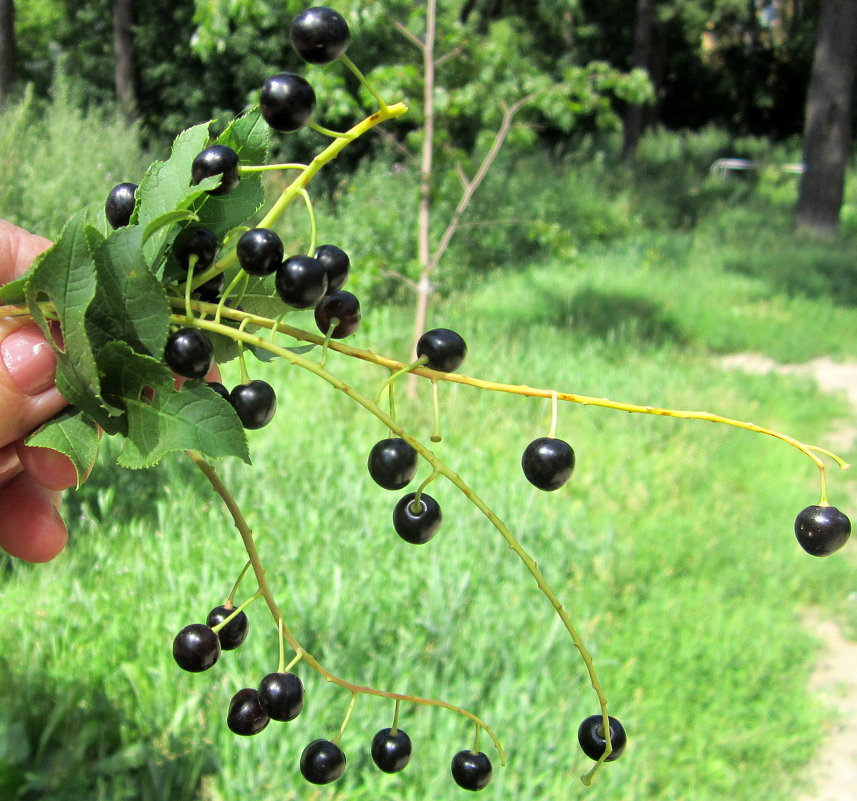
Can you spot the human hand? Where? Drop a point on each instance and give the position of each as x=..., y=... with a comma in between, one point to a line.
x=31, y=527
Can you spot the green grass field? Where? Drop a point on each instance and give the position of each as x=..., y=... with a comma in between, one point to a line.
x=671, y=547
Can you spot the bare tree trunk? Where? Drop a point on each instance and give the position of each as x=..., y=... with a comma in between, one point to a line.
x=827, y=127
x=634, y=121
x=123, y=39
x=7, y=49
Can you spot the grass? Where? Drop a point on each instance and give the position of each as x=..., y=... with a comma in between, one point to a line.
x=671, y=548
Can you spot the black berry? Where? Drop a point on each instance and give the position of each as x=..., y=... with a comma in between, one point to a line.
x=319, y=35
x=471, y=770
x=255, y=403
x=120, y=204
x=547, y=463
x=281, y=696
x=189, y=353
x=590, y=735
x=301, y=281
x=392, y=463
x=344, y=307
x=443, y=349
x=234, y=632
x=217, y=160
x=196, y=648
x=246, y=717
x=821, y=530
x=417, y=521
x=212, y=289
x=196, y=241
x=391, y=752
x=287, y=101
x=337, y=265
x=260, y=251
x=322, y=762
x=219, y=389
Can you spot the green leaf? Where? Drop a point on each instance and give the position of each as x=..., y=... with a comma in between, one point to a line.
x=130, y=304
x=170, y=218
x=64, y=276
x=166, y=186
x=13, y=293
x=72, y=433
x=162, y=419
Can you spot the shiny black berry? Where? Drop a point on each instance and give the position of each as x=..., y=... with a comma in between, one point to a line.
x=287, y=101
x=443, y=349
x=821, y=530
x=342, y=306
x=217, y=160
x=590, y=735
x=391, y=752
x=548, y=463
x=212, y=289
x=392, y=463
x=337, y=265
x=319, y=35
x=322, y=762
x=196, y=648
x=234, y=632
x=189, y=353
x=417, y=521
x=199, y=242
x=281, y=696
x=260, y=251
x=120, y=204
x=255, y=403
x=471, y=770
x=246, y=717
x=219, y=389
x=301, y=281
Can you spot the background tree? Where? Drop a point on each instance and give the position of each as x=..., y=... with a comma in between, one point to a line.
x=123, y=39
x=827, y=125
x=7, y=49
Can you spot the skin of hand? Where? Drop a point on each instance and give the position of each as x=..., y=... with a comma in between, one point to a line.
x=31, y=527
x=31, y=479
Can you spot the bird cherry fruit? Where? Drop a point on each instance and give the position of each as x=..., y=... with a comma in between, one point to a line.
x=287, y=101
x=322, y=762
x=392, y=463
x=590, y=735
x=319, y=35
x=120, y=204
x=196, y=648
x=255, y=403
x=234, y=632
x=548, y=463
x=821, y=530
x=344, y=307
x=189, y=353
x=391, y=750
x=417, y=521
x=217, y=160
x=443, y=349
x=281, y=696
x=337, y=265
x=245, y=716
x=195, y=240
x=471, y=770
x=301, y=281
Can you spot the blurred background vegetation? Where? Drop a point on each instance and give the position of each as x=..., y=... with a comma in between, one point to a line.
x=580, y=265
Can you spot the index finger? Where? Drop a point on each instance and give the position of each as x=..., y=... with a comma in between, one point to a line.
x=18, y=248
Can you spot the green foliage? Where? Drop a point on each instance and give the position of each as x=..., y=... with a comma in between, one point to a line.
x=58, y=155
x=78, y=721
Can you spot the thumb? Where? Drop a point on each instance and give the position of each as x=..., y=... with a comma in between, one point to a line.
x=28, y=396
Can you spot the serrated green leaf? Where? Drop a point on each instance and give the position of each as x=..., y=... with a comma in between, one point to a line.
x=64, y=276
x=130, y=304
x=162, y=419
x=72, y=433
x=170, y=218
x=13, y=292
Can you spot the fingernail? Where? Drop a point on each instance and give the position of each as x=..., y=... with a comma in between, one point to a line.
x=29, y=359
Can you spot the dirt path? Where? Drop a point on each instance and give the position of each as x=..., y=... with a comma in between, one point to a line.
x=834, y=680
